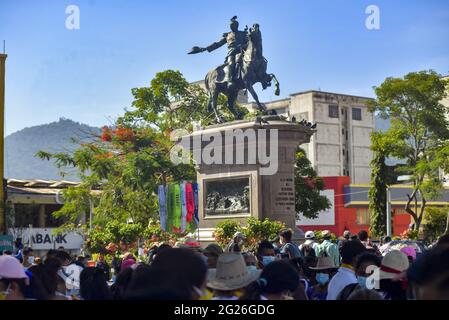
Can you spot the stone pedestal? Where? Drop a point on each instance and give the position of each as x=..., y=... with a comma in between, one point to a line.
x=237, y=171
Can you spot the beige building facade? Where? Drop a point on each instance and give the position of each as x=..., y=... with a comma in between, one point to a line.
x=445, y=102
x=341, y=145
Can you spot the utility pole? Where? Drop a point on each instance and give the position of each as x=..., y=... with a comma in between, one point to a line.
x=2, y=134
x=388, y=213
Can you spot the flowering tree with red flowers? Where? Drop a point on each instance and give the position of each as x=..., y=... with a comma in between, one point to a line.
x=131, y=157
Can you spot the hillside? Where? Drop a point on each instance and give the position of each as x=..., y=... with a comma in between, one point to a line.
x=21, y=148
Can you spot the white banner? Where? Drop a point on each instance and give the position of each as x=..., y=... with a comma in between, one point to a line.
x=325, y=218
x=44, y=239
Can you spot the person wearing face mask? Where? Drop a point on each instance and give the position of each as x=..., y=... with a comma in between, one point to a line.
x=278, y=281
x=324, y=271
x=230, y=277
x=364, y=267
x=346, y=272
x=265, y=254
x=250, y=261
x=237, y=242
x=28, y=257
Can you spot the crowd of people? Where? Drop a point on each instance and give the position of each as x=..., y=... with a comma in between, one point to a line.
x=351, y=268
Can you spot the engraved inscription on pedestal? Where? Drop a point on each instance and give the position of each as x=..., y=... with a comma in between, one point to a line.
x=284, y=194
x=227, y=196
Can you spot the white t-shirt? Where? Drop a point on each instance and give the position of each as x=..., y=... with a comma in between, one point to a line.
x=342, y=278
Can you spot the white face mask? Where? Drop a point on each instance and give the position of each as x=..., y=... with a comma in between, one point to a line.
x=251, y=268
x=30, y=259
x=202, y=295
x=5, y=294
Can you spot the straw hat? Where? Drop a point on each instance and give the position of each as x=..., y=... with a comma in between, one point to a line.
x=325, y=233
x=324, y=263
x=393, y=264
x=213, y=249
x=231, y=273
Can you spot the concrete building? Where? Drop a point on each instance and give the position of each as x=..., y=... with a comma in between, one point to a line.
x=341, y=146
x=31, y=204
x=349, y=207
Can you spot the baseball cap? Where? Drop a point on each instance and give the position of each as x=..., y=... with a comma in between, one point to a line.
x=310, y=235
x=240, y=235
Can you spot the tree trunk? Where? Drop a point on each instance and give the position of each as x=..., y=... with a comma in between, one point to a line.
x=447, y=225
x=408, y=208
x=421, y=211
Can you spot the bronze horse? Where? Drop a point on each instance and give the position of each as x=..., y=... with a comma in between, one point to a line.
x=252, y=68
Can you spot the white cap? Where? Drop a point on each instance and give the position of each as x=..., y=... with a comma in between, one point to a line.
x=239, y=235
x=310, y=235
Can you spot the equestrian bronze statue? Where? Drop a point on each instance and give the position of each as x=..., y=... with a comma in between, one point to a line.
x=243, y=67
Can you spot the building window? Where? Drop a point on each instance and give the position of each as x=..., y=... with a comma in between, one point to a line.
x=356, y=114
x=362, y=216
x=280, y=110
x=343, y=150
x=333, y=111
x=346, y=135
x=342, y=131
x=25, y=215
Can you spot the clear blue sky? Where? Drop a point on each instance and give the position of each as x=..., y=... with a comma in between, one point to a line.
x=86, y=75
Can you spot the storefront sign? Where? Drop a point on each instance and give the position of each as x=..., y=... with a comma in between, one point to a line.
x=45, y=239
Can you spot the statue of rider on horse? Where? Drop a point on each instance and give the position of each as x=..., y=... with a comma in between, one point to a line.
x=243, y=67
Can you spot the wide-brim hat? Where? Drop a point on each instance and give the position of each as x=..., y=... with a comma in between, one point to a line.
x=231, y=273
x=394, y=263
x=213, y=249
x=11, y=268
x=324, y=263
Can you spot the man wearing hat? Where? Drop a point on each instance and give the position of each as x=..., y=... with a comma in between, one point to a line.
x=310, y=241
x=212, y=252
x=328, y=248
x=324, y=269
x=392, y=275
x=230, y=276
x=236, y=244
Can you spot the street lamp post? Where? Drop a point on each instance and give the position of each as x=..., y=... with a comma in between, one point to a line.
x=388, y=222
x=2, y=119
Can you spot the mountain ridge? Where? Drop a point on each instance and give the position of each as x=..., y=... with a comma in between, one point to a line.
x=21, y=147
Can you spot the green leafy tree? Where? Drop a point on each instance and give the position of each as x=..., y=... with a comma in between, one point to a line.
x=381, y=178
x=308, y=185
x=258, y=230
x=225, y=230
x=418, y=132
x=122, y=168
x=434, y=223
x=254, y=229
